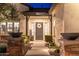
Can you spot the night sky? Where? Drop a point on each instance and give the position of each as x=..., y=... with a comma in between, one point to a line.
x=40, y=5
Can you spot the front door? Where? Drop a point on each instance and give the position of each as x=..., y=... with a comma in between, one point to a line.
x=39, y=30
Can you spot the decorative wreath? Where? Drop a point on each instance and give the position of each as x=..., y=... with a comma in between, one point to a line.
x=38, y=25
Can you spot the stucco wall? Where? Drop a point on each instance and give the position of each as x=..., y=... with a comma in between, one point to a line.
x=71, y=17
x=23, y=24
x=57, y=18
x=66, y=18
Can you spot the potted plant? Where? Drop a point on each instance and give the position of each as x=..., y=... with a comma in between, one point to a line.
x=54, y=50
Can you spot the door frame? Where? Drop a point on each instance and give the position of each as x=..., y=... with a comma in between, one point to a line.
x=35, y=30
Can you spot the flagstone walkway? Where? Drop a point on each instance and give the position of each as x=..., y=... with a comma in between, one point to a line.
x=38, y=49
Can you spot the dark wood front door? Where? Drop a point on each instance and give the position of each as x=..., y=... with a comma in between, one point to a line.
x=39, y=30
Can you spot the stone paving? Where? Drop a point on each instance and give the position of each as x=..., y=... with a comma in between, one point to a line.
x=38, y=49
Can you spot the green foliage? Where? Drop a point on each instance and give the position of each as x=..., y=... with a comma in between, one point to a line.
x=48, y=38
x=54, y=46
x=7, y=12
x=51, y=44
x=26, y=39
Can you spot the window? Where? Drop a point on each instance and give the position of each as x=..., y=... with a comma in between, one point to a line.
x=9, y=27
x=16, y=26
x=3, y=27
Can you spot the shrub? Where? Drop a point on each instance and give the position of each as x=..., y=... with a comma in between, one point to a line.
x=26, y=39
x=48, y=38
x=51, y=44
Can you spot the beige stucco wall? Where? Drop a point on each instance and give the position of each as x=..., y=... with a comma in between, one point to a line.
x=66, y=19
x=57, y=21
x=71, y=17
x=23, y=24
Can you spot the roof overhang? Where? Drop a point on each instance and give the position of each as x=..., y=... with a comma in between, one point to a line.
x=35, y=13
